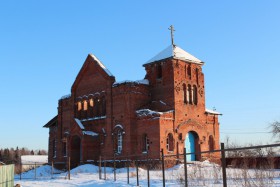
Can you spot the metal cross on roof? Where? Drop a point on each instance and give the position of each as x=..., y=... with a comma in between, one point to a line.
x=171, y=28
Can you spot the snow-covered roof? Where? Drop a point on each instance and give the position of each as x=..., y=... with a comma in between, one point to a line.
x=143, y=81
x=101, y=65
x=90, y=133
x=212, y=112
x=79, y=123
x=177, y=53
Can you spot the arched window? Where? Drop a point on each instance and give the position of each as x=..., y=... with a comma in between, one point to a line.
x=85, y=105
x=159, y=71
x=79, y=105
x=119, y=141
x=185, y=93
x=146, y=143
x=189, y=93
x=91, y=102
x=170, y=142
x=211, y=143
x=194, y=94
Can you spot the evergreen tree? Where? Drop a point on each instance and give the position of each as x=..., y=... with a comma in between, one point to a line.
x=6, y=155
x=39, y=153
x=32, y=152
x=17, y=157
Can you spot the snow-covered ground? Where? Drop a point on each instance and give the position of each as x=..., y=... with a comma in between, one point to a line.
x=31, y=159
x=199, y=174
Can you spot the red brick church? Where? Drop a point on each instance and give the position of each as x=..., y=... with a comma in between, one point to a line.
x=166, y=110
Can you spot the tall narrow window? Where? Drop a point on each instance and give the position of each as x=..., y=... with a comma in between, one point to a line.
x=170, y=142
x=194, y=94
x=211, y=143
x=159, y=71
x=189, y=71
x=91, y=102
x=85, y=105
x=185, y=93
x=79, y=106
x=189, y=94
x=185, y=71
x=120, y=141
x=146, y=143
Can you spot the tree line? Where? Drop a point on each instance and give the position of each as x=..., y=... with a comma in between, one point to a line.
x=12, y=156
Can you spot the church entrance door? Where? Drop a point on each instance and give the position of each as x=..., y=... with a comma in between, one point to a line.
x=191, y=145
x=75, y=151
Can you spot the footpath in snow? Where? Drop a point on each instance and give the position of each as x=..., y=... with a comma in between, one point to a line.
x=199, y=174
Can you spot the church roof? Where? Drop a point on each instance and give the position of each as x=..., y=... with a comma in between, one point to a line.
x=177, y=53
x=51, y=123
x=212, y=112
x=101, y=65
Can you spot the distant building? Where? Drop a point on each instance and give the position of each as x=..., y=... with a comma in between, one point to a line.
x=166, y=110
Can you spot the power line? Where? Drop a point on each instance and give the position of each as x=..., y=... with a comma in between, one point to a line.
x=245, y=132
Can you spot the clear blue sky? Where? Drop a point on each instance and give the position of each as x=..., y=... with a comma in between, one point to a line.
x=43, y=45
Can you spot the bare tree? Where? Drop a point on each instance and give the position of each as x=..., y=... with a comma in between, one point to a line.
x=275, y=129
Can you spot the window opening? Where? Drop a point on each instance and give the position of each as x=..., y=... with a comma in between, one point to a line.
x=185, y=93
x=194, y=95
x=79, y=106
x=159, y=71
x=146, y=144
x=170, y=142
x=119, y=148
x=91, y=102
x=85, y=105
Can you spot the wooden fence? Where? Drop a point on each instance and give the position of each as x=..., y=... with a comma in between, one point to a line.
x=7, y=175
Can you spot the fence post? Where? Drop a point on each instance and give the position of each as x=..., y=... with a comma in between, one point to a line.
x=104, y=169
x=137, y=173
x=20, y=169
x=52, y=171
x=148, y=170
x=69, y=167
x=35, y=170
x=99, y=167
x=163, y=174
x=114, y=167
x=127, y=168
x=224, y=165
x=185, y=168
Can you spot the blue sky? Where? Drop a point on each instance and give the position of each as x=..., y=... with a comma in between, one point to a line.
x=43, y=45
